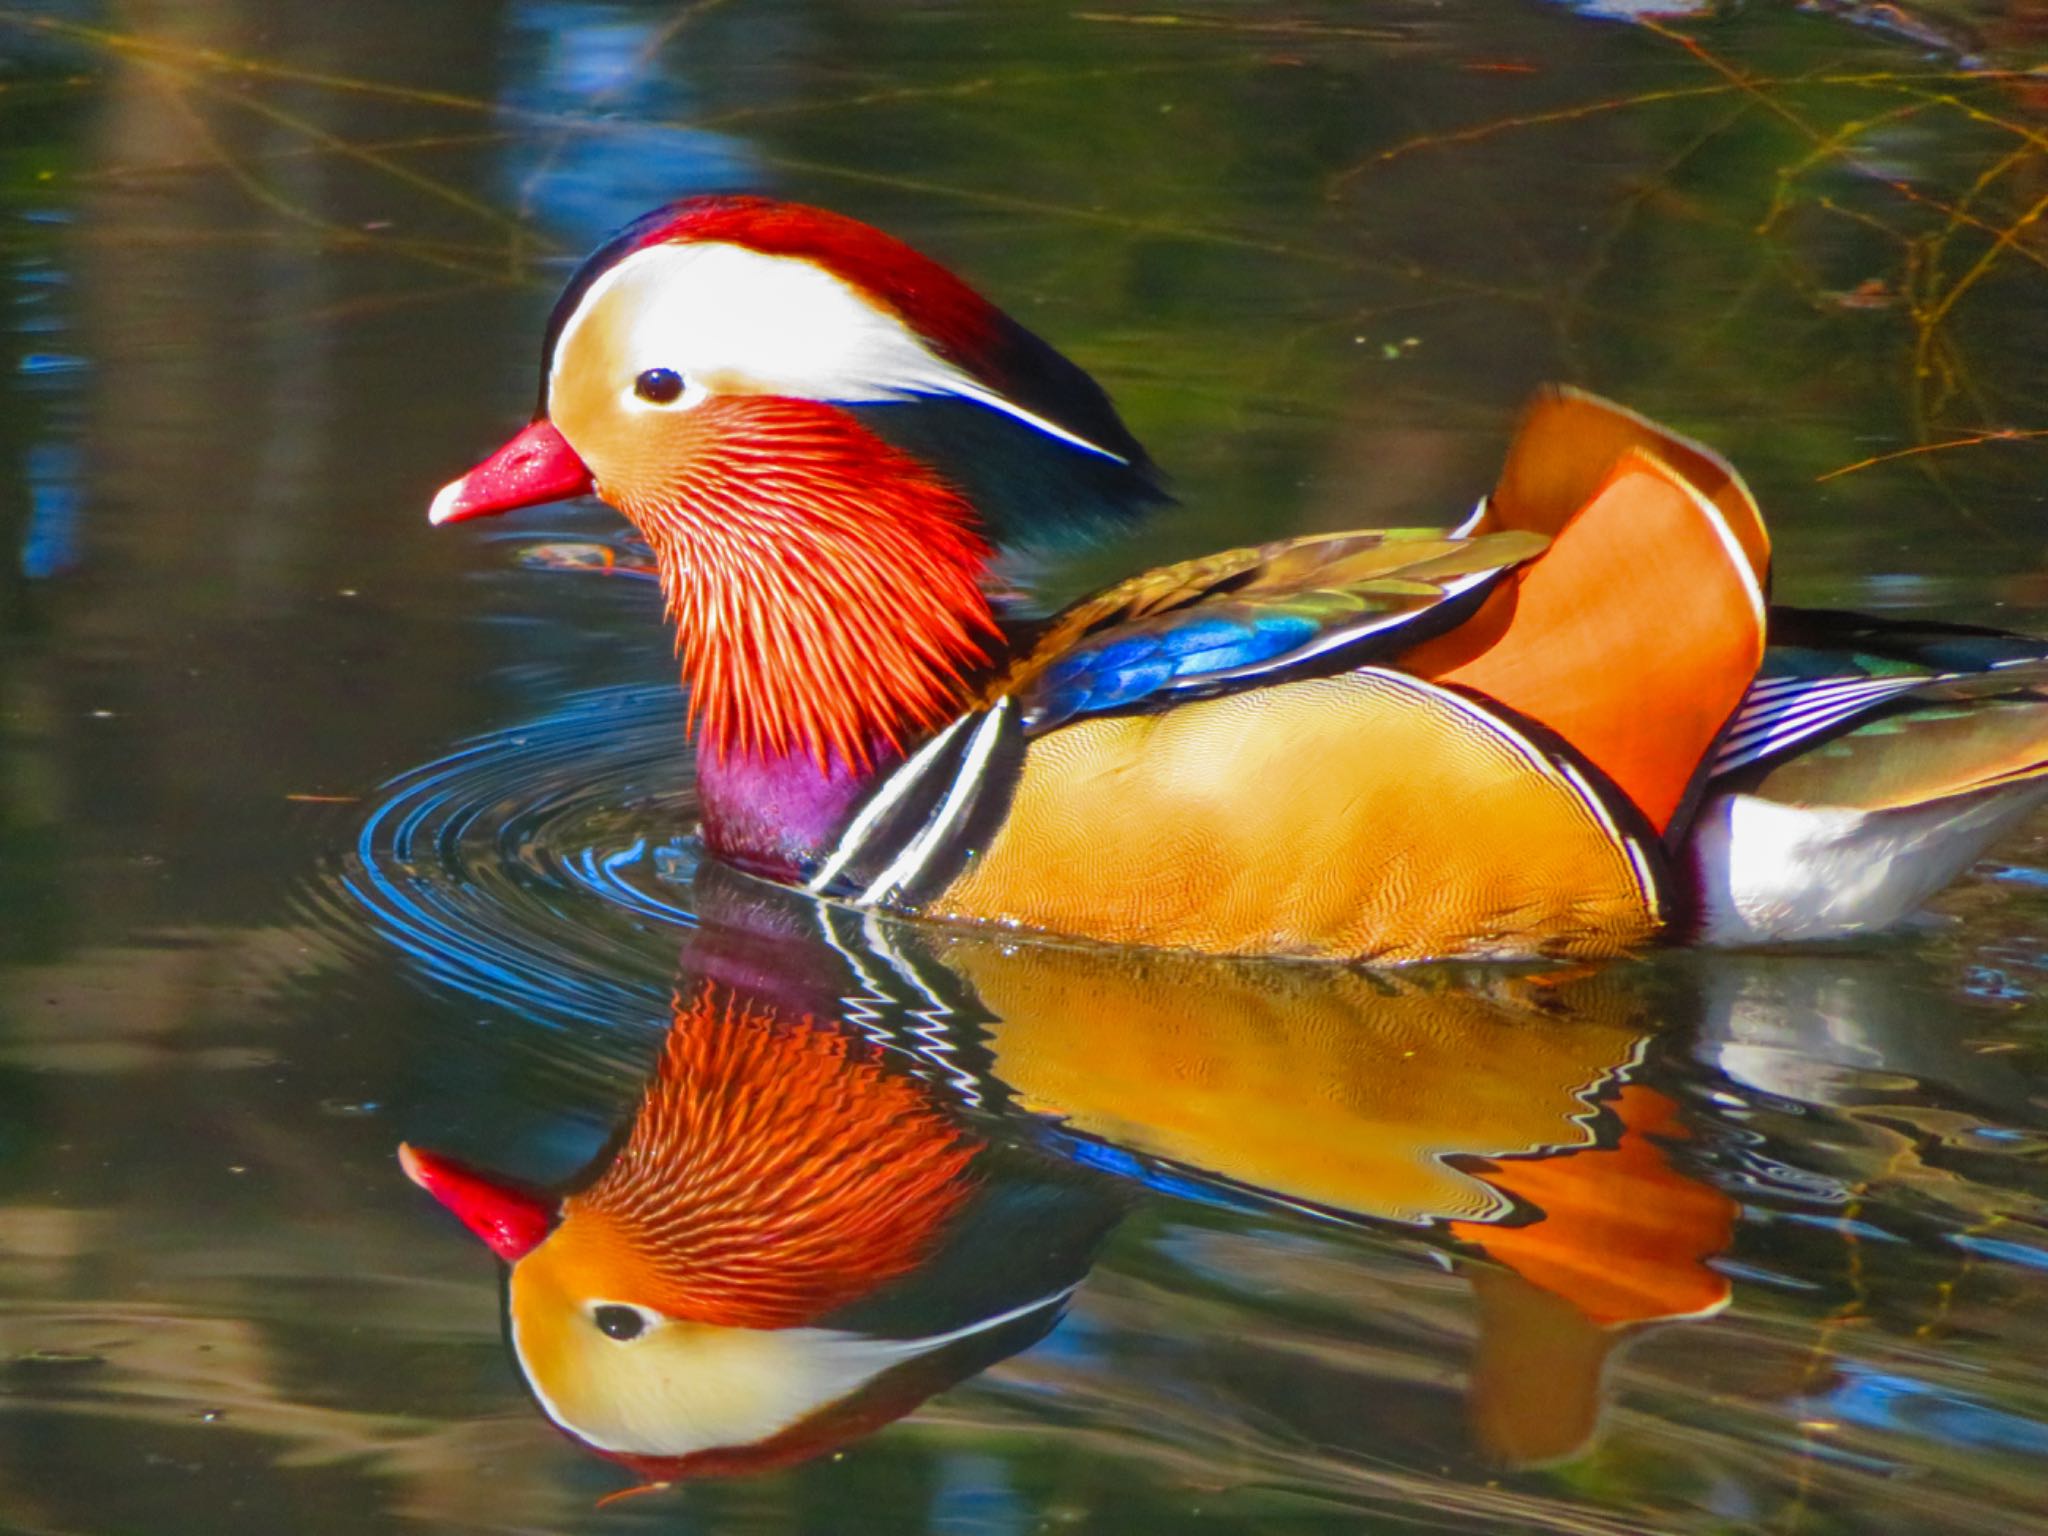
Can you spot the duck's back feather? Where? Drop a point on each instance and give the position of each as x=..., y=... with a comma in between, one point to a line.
x=1566, y=447
x=1396, y=745
x=1247, y=617
x=1863, y=713
x=1487, y=741
x=1634, y=638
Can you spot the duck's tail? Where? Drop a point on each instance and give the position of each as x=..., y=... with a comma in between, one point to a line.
x=1870, y=765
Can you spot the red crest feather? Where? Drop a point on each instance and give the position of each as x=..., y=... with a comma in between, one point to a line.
x=951, y=316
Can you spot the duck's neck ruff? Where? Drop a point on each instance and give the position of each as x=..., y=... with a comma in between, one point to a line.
x=774, y=1172
x=826, y=588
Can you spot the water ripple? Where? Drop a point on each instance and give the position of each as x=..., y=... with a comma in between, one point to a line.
x=537, y=868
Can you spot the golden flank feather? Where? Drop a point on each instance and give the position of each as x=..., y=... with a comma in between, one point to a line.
x=1162, y=829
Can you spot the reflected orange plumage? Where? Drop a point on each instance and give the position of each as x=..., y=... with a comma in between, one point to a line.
x=773, y=1172
x=1620, y=1233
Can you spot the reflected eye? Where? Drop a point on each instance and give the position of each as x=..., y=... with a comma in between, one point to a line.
x=658, y=386
x=622, y=1323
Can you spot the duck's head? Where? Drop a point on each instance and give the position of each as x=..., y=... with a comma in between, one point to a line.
x=767, y=1264
x=823, y=436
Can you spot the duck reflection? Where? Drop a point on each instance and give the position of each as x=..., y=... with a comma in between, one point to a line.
x=793, y=1243
x=873, y=1159
x=1492, y=1110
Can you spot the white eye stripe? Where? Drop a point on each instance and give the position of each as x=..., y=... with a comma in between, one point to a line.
x=706, y=1387
x=782, y=324
x=787, y=326
x=970, y=390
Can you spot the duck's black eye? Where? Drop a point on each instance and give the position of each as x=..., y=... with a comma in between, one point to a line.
x=658, y=386
x=622, y=1323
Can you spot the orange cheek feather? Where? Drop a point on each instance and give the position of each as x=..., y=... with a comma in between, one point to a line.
x=826, y=588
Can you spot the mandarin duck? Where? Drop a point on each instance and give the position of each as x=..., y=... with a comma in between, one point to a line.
x=1568, y=724
x=793, y=1243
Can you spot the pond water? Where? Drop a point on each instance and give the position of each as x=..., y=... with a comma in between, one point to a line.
x=321, y=831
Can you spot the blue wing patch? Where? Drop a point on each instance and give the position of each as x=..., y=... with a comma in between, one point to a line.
x=1255, y=615
x=1125, y=668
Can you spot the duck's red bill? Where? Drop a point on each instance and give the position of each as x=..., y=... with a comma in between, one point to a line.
x=536, y=466
x=511, y=1222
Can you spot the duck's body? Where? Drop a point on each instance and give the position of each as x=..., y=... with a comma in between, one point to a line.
x=1567, y=725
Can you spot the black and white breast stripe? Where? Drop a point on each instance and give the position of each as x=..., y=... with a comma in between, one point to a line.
x=920, y=1009
x=917, y=829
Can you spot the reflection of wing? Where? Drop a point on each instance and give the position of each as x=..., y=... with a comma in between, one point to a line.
x=1617, y=1230
x=1219, y=622
x=1496, y=1109
x=1345, y=1091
